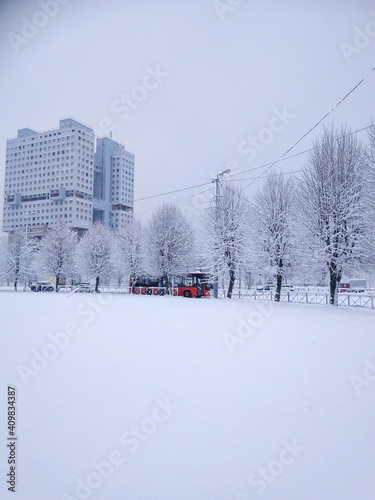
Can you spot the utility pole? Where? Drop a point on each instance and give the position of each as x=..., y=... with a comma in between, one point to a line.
x=216, y=272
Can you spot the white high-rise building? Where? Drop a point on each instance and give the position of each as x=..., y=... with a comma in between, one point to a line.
x=57, y=174
x=114, y=184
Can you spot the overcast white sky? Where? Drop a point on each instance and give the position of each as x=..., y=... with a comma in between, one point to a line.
x=224, y=75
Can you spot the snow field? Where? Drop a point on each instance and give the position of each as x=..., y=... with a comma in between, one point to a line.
x=139, y=397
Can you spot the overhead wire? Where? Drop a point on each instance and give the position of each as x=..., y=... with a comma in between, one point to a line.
x=268, y=166
x=316, y=124
x=182, y=199
x=296, y=154
x=249, y=178
x=250, y=169
x=172, y=192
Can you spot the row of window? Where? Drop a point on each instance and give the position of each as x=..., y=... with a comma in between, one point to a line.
x=8, y=224
x=30, y=206
x=17, y=153
x=13, y=160
x=31, y=138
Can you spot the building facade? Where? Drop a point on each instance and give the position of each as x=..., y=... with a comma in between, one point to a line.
x=62, y=173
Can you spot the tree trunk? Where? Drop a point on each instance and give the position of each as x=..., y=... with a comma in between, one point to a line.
x=167, y=285
x=97, y=279
x=279, y=279
x=232, y=279
x=57, y=282
x=17, y=273
x=132, y=283
x=334, y=279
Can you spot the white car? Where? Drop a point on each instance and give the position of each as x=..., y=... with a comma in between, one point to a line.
x=287, y=288
x=84, y=287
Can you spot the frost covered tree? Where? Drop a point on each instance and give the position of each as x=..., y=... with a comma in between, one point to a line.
x=370, y=154
x=17, y=258
x=224, y=234
x=129, y=258
x=56, y=251
x=3, y=262
x=170, y=243
x=95, y=253
x=271, y=227
x=333, y=206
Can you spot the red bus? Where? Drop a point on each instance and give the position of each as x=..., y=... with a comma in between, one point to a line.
x=187, y=285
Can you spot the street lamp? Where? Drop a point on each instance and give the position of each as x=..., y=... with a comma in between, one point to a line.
x=217, y=182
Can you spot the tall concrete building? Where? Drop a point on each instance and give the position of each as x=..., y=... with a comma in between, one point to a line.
x=57, y=174
x=113, y=184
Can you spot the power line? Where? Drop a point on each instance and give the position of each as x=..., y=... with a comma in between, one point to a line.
x=249, y=178
x=171, y=192
x=248, y=170
x=314, y=126
x=296, y=154
x=181, y=199
x=283, y=158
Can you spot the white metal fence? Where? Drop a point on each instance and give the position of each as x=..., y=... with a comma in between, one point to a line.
x=366, y=300
x=299, y=297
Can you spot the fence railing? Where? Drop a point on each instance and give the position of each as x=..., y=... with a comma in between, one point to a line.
x=114, y=289
x=366, y=300
x=344, y=299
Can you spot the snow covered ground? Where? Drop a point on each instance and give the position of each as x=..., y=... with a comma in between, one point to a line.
x=166, y=398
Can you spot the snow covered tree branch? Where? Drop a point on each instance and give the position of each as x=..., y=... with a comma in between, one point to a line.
x=271, y=228
x=94, y=255
x=332, y=203
x=170, y=243
x=56, y=251
x=224, y=234
x=129, y=258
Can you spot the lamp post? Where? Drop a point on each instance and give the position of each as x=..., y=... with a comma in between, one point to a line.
x=217, y=182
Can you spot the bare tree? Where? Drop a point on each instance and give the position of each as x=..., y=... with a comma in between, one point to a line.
x=370, y=155
x=332, y=205
x=129, y=258
x=170, y=243
x=18, y=256
x=371, y=148
x=224, y=234
x=56, y=251
x=94, y=254
x=271, y=228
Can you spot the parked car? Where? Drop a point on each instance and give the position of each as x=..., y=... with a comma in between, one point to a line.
x=42, y=286
x=287, y=288
x=84, y=287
